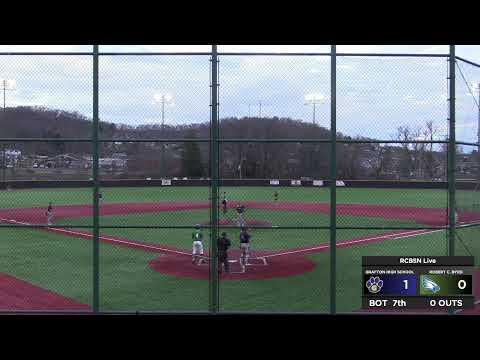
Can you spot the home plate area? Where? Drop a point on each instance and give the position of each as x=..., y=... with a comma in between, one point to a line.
x=259, y=266
x=236, y=267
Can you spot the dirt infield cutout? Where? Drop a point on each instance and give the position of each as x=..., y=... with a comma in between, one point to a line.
x=19, y=295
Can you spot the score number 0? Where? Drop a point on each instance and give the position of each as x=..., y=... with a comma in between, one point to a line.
x=462, y=284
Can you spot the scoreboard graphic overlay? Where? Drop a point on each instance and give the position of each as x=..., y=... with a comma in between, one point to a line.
x=417, y=282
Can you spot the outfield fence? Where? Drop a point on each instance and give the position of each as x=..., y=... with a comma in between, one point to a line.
x=384, y=163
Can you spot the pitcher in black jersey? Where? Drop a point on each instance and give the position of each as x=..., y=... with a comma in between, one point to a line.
x=49, y=214
x=240, y=211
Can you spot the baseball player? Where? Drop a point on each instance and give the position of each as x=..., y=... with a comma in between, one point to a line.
x=197, y=237
x=223, y=245
x=49, y=214
x=224, y=203
x=275, y=196
x=240, y=210
x=244, y=246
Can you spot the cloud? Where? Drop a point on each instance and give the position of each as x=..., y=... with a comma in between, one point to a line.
x=274, y=48
x=45, y=48
x=374, y=94
x=155, y=48
x=436, y=49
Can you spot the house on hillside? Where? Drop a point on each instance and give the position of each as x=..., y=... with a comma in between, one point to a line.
x=10, y=156
x=112, y=163
x=62, y=161
x=468, y=165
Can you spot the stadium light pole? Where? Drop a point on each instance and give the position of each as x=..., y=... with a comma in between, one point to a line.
x=163, y=99
x=7, y=85
x=314, y=100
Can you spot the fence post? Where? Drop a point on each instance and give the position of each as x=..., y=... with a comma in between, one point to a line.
x=333, y=178
x=214, y=164
x=452, y=155
x=95, y=183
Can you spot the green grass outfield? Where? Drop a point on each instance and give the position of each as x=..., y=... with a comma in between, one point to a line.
x=64, y=264
x=430, y=198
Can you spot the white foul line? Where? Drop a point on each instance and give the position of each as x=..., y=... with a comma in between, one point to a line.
x=394, y=236
x=136, y=244
x=410, y=233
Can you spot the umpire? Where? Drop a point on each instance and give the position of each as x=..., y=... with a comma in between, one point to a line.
x=223, y=245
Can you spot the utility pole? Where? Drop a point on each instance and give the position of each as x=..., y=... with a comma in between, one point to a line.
x=314, y=107
x=314, y=99
x=260, y=109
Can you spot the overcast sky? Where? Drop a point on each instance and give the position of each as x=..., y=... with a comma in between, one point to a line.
x=374, y=95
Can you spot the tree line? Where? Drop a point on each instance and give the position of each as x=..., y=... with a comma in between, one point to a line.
x=355, y=160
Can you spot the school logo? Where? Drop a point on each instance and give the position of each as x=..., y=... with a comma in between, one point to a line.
x=430, y=285
x=374, y=284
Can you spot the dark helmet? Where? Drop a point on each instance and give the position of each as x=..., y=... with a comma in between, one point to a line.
x=224, y=234
x=197, y=226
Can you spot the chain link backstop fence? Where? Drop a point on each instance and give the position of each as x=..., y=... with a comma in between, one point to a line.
x=227, y=181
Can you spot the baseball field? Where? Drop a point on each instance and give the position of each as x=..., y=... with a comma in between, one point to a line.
x=146, y=245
